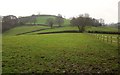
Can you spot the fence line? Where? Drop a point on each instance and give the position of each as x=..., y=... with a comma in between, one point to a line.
x=109, y=39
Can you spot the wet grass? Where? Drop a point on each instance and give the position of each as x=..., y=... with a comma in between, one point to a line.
x=59, y=53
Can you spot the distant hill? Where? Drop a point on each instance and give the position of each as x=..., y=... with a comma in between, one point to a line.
x=41, y=19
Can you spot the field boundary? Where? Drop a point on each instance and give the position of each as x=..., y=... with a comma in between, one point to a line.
x=109, y=39
x=67, y=31
x=36, y=24
x=103, y=32
x=32, y=31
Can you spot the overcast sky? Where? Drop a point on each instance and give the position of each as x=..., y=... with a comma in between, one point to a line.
x=106, y=9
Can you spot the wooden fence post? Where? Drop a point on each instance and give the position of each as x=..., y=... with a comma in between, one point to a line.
x=111, y=39
x=97, y=37
x=118, y=39
x=103, y=37
x=107, y=39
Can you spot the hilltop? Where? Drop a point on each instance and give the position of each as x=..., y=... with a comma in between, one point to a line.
x=41, y=19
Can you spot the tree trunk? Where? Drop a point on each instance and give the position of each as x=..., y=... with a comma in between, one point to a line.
x=59, y=25
x=51, y=27
x=83, y=28
x=79, y=28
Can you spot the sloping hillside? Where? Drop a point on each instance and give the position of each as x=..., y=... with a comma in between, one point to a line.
x=102, y=28
x=43, y=18
x=23, y=29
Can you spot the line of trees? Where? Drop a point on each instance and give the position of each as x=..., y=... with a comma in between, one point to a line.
x=84, y=20
x=28, y=19
x=11, y=21
x=0, y=24
x=81, y=22
x=8, y=22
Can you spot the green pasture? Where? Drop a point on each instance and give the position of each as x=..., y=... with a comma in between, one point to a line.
x=43, y=19
x=58, y=53
x=102, y=28
x=23, y=29
x=66, y=28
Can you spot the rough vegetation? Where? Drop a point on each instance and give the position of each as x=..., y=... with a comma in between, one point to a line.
x=59, y=53
x=33, y=52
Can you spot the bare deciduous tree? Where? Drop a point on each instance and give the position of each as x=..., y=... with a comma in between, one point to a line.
x=59, y=20
x=83, y=21
x=50, y=22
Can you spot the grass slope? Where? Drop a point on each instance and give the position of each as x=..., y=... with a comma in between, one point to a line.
x=58, y=53
x=107, y=29
x=43, y=19
x=23, y=29
x=102, y=28
x=57, y=29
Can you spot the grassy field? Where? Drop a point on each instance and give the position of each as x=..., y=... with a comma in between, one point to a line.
x=57, y=29
x=103, y=28
x=107, y=29
x=23, y=29
x=43, y=19
x=60, y=53
x=57, y=53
